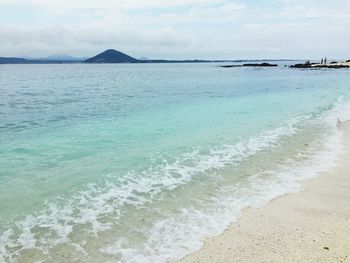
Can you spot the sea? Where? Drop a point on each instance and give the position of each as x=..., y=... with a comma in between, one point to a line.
x=140, y=163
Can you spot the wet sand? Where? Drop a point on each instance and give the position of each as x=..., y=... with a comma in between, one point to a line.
x=310, y=226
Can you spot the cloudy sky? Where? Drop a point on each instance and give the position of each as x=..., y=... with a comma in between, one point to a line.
x=177, y=29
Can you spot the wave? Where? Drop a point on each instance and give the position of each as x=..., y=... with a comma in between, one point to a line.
x=101, y=205
x=175, y=237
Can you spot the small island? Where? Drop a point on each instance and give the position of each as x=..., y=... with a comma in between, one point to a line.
x=331, y=65
x=251, y=65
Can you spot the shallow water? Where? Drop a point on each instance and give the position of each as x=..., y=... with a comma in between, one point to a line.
x=138, y=163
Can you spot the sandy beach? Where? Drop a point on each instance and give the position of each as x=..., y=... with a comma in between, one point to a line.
x=310, y=226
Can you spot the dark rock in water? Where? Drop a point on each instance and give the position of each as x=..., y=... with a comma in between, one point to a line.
x=309, y=65
x=231, y=66
x=301, y=66
x=112, y=56
x=260, y=65
x=251, y=65
x=331, y=66
x=312, y=66
x=326, y=248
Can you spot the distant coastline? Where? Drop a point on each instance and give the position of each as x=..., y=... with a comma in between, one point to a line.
x=112, y=56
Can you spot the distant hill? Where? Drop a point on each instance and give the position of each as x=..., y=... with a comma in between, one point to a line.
x=144, y=58
x=112, y=56
x=108, y=56
x=62, y=57
x=54, y=57
x=4, y=60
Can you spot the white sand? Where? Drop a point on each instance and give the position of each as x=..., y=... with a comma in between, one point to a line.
x=309, y=226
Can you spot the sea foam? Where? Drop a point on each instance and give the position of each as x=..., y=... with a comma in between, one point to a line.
x=174, y=237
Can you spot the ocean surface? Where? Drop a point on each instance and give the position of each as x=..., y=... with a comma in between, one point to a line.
x=140, y=163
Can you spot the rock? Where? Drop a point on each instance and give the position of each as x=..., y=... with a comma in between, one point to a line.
x=301, y=66
x=251, y=65
x=231, y=66
x=331, y=66
x=260, y=65
x=309, y=65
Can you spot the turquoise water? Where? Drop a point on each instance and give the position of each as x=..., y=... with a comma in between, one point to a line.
x=139, y=163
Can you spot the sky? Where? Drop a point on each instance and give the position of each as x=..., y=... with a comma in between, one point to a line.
x=177, y=29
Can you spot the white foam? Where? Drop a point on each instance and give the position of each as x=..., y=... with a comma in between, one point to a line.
x=174, y=237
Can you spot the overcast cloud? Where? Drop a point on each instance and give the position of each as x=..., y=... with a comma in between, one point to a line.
x=178, y=29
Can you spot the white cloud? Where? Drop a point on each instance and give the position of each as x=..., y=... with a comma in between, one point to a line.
x=109, y=4
x=179, y=29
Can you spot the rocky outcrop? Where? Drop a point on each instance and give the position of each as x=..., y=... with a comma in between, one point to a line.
x=260, y=65
x=251, y=65
x=309, y=65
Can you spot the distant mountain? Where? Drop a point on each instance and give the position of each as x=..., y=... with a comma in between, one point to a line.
x=144, y=58
x=55, y=57
x=112, y=56
x=108, y=56
x=62, y=57
x=11, y=60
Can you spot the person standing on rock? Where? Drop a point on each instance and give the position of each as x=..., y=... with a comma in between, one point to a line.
x=321, y=61
x=325, y=60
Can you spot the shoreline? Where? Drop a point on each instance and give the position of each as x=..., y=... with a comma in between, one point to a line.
x=312, y=225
